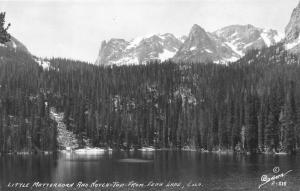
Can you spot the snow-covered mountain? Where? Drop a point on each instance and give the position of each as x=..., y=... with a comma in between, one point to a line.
x=139, y=50
x=227, y=44
x=292, y=32
x=242, y=38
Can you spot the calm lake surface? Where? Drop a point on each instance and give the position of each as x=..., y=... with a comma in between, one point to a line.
x=205, y=171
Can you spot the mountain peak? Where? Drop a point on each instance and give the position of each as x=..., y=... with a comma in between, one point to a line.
x=197, y=28
x=198, y=35
x=198, y=47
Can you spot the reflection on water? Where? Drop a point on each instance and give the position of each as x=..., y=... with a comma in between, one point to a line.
x=224, y=172
x=134, y=160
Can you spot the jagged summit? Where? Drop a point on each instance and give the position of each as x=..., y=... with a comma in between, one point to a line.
x=242, y=38
x=227, y=44
x=197, y=29
x=139, y=50
x=198, y=47
x=293, y=27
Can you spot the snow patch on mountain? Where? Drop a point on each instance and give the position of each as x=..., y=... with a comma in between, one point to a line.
x=193, y=48
x=182, y=38
x=234, y=48
x=128, y=60
x=234, y=34
x=266, y=39
x=279, y=37
x=227, y=60
x=166, y=54
x=135, y=42
x=43, y=63
x=293, y=44
x=232, y=59
x=270, y=37
x=208, y=50
x=248, y=45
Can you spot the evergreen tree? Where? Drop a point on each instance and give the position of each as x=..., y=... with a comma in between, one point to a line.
x=4, y=35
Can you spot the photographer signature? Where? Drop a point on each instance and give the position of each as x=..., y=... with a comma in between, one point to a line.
x=265, y=179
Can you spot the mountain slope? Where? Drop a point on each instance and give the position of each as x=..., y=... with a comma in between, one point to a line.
x=15, y=48
x=16, y=45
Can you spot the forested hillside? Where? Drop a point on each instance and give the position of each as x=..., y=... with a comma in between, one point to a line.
x=252, y=104
x=24, y=112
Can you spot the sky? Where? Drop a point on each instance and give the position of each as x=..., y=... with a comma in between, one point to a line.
x=75, y=28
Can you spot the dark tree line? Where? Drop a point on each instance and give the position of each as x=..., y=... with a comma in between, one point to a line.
x=250, y=105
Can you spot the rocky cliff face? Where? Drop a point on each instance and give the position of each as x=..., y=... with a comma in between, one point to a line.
x=111, y=51
x=292, y=31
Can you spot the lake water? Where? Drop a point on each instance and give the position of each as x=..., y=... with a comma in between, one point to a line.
x=184, y=170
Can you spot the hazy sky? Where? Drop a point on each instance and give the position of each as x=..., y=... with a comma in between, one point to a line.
x=75, y=29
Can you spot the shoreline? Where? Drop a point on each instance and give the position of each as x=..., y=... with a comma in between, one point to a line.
x=96, y=150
